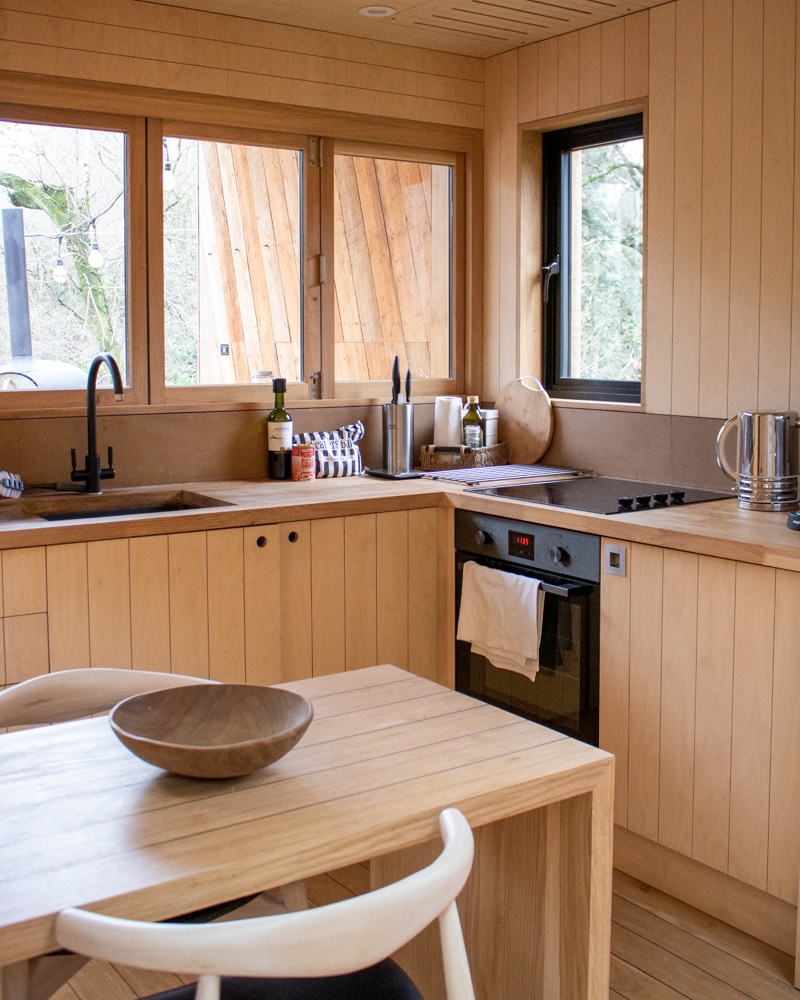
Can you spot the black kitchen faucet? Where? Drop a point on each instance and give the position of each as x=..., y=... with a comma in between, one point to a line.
x=92, y=472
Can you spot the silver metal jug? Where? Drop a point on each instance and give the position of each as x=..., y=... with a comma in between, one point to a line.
x=766, y=459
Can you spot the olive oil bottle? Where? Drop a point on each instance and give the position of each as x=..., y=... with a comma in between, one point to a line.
x=473, y=428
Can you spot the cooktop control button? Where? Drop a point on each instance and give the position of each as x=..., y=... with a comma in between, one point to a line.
x=626, y=503
x=661, y=498
x=643, y=501
x=678, y=496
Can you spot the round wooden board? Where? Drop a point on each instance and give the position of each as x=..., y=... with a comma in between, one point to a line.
x=525, y=420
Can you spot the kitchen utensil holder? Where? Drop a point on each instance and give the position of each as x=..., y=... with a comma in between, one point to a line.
x=398, y=437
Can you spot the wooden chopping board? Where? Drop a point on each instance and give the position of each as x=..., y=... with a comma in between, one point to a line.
x=525, y=420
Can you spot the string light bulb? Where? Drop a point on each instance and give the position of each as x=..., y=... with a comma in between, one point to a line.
x=95, y=258
x=59, y=271
x=167, y=177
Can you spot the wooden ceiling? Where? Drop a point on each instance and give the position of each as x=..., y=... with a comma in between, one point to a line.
x=479, y=28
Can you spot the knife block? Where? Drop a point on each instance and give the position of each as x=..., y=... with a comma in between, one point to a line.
x=398, y=437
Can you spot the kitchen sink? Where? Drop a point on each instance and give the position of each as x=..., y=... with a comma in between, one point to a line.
x=72, y=507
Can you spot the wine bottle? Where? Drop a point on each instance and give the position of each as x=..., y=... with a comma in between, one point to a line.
x=473, y=433
x=279, y=435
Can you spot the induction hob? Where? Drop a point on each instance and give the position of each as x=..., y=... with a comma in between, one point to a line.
x=603, y=495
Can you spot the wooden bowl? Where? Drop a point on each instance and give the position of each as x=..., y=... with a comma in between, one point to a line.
x=212, y=730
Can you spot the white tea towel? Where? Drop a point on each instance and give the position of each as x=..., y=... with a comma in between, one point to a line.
x=501, y=617
x=447, y=421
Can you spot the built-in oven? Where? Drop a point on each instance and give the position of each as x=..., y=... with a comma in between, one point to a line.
x=564, y=693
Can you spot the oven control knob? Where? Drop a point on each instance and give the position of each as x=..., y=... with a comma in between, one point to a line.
x=559, y=556
x=483, y=537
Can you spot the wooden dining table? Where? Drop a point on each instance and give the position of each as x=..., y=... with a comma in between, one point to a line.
x=83, y=822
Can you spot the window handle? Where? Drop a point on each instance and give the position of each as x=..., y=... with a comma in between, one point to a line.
x=547, y=273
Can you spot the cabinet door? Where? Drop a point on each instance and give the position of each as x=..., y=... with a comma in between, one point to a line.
x=226, y=634
x=360, y=581
x=393, y=581
x=68, y=606
x=150, y=628
x=262, y=617
x=431, y=594
x=698, y=693
x=188, y=604
x=328, y=596
x=25, y=611
x=109, y=603
x=290, y=599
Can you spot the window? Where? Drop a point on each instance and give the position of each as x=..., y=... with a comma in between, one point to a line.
x=393, y=266
x=592, y=275
x=63, y=280
x=233, y=262
x=208, y=258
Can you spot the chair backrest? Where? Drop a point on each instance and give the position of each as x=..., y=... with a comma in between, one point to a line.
x=326, y=941
x=74, y=694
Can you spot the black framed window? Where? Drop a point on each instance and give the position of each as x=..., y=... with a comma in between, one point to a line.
x=593, y=185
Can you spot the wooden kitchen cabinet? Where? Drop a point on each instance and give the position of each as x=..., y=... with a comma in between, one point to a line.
x=24, y=615
x=699, y=691
x=261, y=604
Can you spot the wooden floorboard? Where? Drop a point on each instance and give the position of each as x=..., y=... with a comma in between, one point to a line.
x=661, y=949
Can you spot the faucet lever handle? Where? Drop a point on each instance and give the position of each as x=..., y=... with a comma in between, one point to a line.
x=109, y=472
x=74, y=459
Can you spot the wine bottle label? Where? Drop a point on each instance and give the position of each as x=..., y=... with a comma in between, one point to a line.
x=279, y=436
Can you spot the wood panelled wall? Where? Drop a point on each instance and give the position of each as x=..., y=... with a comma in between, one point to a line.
x=718, y=81
x=143, y=44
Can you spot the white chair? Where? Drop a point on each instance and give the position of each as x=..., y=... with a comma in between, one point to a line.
x=335, y=952
x=74, y=694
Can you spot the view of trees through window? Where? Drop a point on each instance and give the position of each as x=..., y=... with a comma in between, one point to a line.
x=606, y=285
x=62, y=281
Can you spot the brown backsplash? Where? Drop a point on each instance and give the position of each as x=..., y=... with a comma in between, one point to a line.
x=174, y=447
x=652, y=447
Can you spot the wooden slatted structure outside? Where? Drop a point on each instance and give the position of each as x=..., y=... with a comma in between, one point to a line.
x=392, y=265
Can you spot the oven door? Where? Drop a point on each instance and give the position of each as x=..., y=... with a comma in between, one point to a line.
x=565, y=692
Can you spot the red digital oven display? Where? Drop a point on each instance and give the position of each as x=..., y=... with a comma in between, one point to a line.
x=520, y=544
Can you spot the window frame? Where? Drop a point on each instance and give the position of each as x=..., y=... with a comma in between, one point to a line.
x=556, y=213
x=136, y=261
x=149, y=117
x=234, y=392
x=432, y=386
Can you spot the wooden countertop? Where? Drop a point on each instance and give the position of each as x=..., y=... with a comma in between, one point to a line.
x=718, y=528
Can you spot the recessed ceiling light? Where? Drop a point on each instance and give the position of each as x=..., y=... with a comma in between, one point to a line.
x=377, y=10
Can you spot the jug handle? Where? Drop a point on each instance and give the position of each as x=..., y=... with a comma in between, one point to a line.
x=722, y=461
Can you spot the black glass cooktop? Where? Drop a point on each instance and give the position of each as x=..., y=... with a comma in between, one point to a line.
x=603, y=495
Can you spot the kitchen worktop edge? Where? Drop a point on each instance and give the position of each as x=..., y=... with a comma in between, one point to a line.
x=717, y=528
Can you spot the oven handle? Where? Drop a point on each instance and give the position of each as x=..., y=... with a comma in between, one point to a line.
x=566, y=589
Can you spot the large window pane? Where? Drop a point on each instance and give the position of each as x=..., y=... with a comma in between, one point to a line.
x=606, y=260
x=393, y=267
x=62, y=283
x=232, y=262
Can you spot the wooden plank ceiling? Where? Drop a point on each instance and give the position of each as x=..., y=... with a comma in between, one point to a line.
x=480, y=28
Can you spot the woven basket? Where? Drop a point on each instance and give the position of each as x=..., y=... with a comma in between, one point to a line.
x=432, y=458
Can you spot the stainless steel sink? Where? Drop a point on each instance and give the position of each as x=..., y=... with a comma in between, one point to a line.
x=69, y=507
